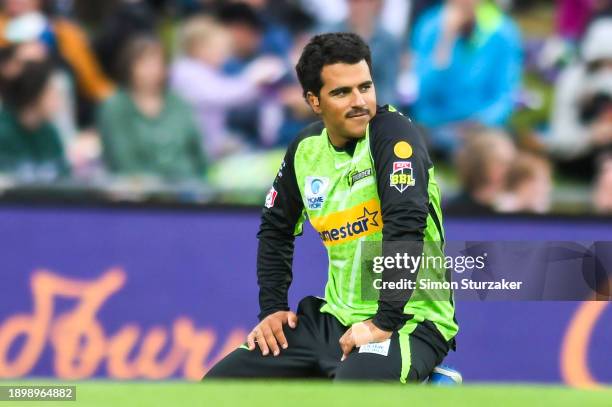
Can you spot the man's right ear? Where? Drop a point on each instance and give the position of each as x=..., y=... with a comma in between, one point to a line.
x=314, y=102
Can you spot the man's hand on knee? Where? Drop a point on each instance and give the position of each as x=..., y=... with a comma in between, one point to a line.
x=268, y=334
x=359, y=334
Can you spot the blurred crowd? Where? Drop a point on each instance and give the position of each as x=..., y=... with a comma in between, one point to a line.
x=172, y=89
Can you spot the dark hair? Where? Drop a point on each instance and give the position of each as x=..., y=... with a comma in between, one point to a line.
x=133, y=50
x=7, y=55
x=7, y=52
x=23, y=90
x=328, y=49
x=525, y=167
x=240, y=13
x=480, y=149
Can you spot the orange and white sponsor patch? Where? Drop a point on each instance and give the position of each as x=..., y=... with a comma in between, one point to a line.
x=349, y=224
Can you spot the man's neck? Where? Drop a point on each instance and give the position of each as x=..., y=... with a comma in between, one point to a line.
x=337, y=140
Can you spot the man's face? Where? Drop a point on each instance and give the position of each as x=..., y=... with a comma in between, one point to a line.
x=347, y=101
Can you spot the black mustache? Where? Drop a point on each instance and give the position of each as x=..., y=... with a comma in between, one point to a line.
x=357, y=112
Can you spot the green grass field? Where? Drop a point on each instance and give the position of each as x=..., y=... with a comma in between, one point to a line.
x=293, y=394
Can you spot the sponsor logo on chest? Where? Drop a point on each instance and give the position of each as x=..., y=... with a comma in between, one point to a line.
x=349, y=224
x=359, y=175
x=316, y=189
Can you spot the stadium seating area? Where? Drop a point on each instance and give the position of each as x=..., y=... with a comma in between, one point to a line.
x=194, y=101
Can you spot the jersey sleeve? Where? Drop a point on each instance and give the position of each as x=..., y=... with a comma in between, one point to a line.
x=402, y=165
x=281, y=221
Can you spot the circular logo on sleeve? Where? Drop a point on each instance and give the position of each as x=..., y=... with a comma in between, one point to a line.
x=402, y=149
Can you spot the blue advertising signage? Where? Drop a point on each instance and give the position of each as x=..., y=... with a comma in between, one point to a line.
x=156, y=294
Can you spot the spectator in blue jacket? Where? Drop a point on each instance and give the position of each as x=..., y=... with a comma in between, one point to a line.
x=467, y=60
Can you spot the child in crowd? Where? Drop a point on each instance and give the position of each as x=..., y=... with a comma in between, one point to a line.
x=528, y=185
x=197, y=76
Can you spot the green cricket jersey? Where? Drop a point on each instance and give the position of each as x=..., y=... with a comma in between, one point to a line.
x=379, y=188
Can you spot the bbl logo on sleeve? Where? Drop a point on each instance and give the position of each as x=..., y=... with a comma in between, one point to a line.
x=401, y=177
x=316, y=192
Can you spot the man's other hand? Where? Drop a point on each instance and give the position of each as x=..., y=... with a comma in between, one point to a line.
x=268, y=334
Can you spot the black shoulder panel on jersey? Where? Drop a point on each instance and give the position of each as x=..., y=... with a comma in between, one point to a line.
x=402, y=165
x=280, y=216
